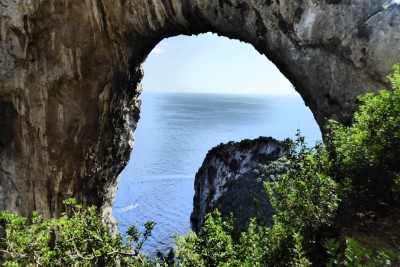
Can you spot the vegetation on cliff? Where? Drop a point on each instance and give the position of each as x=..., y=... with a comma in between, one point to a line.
x=330, y=203
x=330, y=207
x=78, y=238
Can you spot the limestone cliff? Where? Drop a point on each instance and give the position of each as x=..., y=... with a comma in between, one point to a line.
x=230, y=181
x=70, y=75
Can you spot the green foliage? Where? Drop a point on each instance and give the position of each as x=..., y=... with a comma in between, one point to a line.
x=273, y=170
x=133, y=235
x=299, y=259
x=252, y=245
x=305, y=200
x=355, y=255
x=213, y=248
x=361, y=167
x=249, y=198
x=258, y=246
x=306, y=197
x=78, y=238
x=368, y=151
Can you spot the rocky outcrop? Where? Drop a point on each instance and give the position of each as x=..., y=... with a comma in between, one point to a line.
x=231, y=181
x=70, y=75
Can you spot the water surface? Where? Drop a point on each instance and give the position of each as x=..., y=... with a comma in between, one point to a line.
x=172, y=138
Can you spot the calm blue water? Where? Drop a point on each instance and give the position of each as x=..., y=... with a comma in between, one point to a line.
x=173, y=136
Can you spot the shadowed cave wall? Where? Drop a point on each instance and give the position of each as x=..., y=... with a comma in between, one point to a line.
x=70, y=75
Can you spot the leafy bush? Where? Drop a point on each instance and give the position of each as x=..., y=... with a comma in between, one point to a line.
x=78, y=238
x=354, y=254
x=213, y=248
x=361, y=167
x=305, y=200
x=306, y=197
x=368, y=152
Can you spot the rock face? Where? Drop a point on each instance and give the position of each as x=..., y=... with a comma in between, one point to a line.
x=70, y=75
x=228, y=180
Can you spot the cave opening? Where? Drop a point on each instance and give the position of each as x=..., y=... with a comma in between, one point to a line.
x=198, y=92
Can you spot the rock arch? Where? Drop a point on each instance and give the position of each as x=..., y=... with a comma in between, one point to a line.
x=70, y=75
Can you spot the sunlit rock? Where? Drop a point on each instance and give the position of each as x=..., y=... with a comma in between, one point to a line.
x=232, y=180
x=70, y=75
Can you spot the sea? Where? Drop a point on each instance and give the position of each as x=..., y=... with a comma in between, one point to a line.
x=174, y=134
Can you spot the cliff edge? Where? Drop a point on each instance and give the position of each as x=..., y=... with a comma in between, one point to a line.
x=230, y=180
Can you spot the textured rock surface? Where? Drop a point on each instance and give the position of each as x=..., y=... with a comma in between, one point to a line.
x=227, y=181
x=70, y=76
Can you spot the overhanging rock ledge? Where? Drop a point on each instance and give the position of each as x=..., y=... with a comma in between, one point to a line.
x=70, y=75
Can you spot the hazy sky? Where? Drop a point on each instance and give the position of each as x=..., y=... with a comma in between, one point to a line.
x=212, y=64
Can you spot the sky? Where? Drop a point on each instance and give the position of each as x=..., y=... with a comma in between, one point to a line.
x=208, y=63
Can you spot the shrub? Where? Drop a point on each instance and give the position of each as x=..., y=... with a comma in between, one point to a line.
x=368, y=152
x=353, y=254
x=78, y=238
x=213, y=248
x=361, y=167
x=306, y=197
x=305, y=200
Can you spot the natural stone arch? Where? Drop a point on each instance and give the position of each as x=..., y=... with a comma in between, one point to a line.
x=70, y=76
